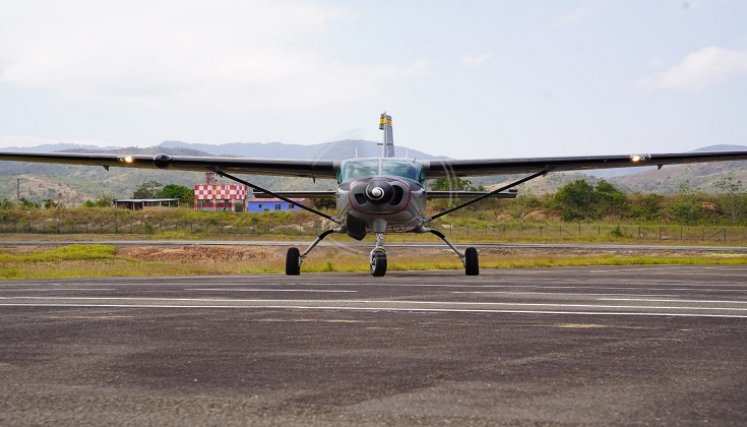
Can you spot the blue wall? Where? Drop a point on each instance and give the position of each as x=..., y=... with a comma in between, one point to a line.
x=269, y=206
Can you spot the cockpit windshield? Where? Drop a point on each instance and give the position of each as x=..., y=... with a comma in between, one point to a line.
x=360, y=168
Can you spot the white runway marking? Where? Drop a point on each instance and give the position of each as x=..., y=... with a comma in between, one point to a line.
x=321, y=291
x=672, y=300
x=55, y=289
x=380, y=303
x=549, y=293
x=349, y=301
x=389, y=309
x=665, y=287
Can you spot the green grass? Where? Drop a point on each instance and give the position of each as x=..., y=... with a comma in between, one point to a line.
x=65, y=253
x=479, y=225
x=80, y=261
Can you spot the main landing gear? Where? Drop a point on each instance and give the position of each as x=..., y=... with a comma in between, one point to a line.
x=469, y=256
x=294, y=259
x=377, y=260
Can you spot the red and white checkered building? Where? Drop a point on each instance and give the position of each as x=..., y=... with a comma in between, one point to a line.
x=210, y=197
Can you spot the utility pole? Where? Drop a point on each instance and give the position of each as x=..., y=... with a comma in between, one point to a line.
x=18, y=190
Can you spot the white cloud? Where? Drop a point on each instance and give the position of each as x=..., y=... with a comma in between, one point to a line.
x=476, y=60
x=698, y=70
x=223, y=55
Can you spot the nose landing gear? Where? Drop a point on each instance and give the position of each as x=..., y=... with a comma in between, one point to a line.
x=378, y=257
x=378, y=263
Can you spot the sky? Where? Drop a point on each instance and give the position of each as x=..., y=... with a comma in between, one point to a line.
x=464, y=79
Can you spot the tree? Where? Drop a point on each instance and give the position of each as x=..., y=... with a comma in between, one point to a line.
x=574, y=200
x=646, y=206
x=524, y=203
x=50, y=204
x=27, y=204
x=102, y=202
x=686, y=207
x=579, y=200
x=185, y=195
x=7, y=205
x=148, y=190
x=609, y=201
x=454, y=184
x=731, y=198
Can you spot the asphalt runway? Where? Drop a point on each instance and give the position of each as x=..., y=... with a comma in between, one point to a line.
x=647, y=345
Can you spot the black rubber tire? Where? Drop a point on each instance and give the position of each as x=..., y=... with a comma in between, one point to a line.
x=471, y=263
x=293, y=262
x=378, y=264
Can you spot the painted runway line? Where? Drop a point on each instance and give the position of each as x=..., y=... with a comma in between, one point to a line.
x=321, y=291
x=633, y=291
x=383, y=309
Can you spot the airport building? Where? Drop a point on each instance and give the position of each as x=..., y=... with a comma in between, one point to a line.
x=220, y=197
x=140, y=204
x=271, y=205
x=212, y=196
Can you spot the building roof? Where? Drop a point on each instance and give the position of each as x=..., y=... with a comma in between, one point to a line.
x=145, y=200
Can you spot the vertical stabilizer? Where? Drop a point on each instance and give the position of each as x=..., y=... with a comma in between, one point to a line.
x=385, y=124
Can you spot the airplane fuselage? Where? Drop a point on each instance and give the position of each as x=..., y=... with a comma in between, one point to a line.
x=381, y=195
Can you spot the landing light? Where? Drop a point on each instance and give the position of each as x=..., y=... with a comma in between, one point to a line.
x=128, y=159
x=635, y=158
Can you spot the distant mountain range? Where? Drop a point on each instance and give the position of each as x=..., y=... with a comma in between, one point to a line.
x=336, y=150
x=75, y=184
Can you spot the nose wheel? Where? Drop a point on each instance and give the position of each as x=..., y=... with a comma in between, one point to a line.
x=378, y=262
x=378, y=257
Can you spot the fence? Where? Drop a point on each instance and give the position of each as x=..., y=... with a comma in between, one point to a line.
x=491, y=232
x=601, y=231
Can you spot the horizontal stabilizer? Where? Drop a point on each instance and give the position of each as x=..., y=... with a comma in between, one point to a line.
x=297, y=194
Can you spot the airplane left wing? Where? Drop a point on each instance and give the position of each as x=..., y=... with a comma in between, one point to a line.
x=448, y=168
x=302, y=168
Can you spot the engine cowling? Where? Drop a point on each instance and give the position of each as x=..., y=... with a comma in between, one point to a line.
x=379, y=195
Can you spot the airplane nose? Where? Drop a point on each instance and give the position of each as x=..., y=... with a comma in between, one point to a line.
x=379, y=191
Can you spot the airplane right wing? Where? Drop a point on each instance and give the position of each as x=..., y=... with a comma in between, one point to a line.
x=450, y=168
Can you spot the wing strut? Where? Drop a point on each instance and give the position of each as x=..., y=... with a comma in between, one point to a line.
x=486, y=195
x=281, y=197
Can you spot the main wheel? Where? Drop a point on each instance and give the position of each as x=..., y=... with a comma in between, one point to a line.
x=378, y=263
x=293, y=262
x=471, y=263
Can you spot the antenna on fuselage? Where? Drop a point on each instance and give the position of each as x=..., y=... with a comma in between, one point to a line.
x=387, y=146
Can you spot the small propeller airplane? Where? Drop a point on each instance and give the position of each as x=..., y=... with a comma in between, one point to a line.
x=378, y=195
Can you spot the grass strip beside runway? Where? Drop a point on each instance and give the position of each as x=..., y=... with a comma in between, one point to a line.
x=78, y=261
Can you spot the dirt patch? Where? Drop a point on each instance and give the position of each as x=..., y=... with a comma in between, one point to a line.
x=202, y=253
